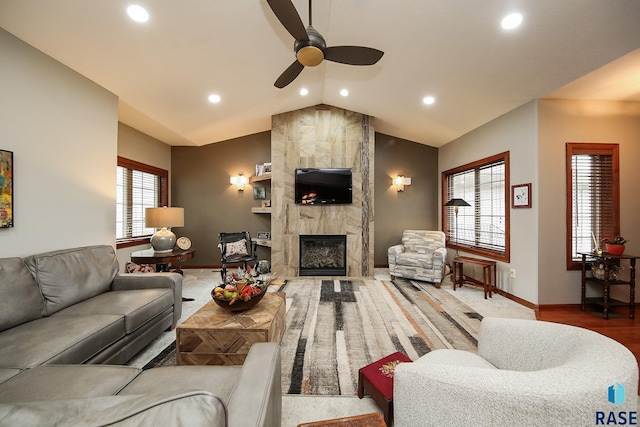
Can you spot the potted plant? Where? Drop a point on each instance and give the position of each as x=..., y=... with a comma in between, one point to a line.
x=614, y=246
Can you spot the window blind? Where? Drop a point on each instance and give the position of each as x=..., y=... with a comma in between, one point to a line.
x=138, y=187
x=593, y=202
x=483, y=227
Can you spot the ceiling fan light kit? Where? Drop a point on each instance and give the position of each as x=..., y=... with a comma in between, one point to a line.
x=310, y=47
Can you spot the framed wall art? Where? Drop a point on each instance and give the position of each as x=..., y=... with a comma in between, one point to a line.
x=6, y=189
x=259, y=192
x=521, y=196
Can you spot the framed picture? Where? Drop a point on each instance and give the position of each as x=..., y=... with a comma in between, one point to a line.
x=521, y=196
x=259, y=169
x=266, y=203
x=266, y=168
x=6, y=189
x=259, y=192
x=264, y=235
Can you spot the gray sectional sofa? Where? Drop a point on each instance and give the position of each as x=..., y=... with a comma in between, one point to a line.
x=72, y=306
x=65, y=315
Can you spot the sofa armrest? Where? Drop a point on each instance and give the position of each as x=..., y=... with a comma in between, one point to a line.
x=393, y=253
x=257, y=399
x=130, y=281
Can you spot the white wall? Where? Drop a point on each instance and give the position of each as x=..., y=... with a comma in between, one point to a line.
x=563, y=121
x=62, y=129
x=515, y=132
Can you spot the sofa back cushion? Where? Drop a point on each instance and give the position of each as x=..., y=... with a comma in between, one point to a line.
x=69, y=276
x=21, y=299
x=422, y=241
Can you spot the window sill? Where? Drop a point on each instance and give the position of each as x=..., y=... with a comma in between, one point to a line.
x=125, y=243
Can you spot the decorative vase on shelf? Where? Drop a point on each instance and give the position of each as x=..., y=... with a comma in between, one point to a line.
x=614, y=249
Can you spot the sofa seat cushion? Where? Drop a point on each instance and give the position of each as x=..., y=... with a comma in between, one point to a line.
x=137, y=306
x=69, y=276
x=21, y=299
x=193, y=409
x=218, y=380
x=415, y=259
x=58, y=339
x=5, y=374
x=456, y=358
x=57, y=382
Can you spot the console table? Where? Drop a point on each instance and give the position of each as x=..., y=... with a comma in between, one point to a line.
x=607, y=282
x=488, y=273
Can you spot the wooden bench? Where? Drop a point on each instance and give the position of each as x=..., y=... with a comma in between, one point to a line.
x=488, y=273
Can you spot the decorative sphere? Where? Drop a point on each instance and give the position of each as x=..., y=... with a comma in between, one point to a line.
x=263, y=266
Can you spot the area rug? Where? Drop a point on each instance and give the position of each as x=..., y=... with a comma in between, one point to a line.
x=335, y=327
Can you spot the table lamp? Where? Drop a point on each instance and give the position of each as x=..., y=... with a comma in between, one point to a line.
x=457, y=203
x=164, y=218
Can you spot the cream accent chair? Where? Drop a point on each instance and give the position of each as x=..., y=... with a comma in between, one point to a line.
x=421, y=256
x=526, y=373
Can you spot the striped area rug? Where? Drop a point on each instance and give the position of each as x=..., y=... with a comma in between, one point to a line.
x=335, y=327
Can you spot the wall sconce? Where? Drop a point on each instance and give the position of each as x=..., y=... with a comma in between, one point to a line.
x=239, y=181
x=400, y=181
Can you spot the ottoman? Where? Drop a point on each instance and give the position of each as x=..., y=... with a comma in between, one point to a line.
x=377, y=380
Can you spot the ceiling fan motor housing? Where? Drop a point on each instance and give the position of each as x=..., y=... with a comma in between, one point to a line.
x=310, y=52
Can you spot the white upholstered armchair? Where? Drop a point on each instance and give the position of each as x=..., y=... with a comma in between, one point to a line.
x=420, y=256
x=526, y=373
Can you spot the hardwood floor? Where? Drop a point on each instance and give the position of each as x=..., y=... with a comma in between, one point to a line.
x=619, y=327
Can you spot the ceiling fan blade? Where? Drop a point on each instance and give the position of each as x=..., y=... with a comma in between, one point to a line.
x=353, y=55
x=288, y=16
x=289, y=75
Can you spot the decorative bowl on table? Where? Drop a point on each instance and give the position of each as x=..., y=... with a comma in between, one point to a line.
x=238, y=303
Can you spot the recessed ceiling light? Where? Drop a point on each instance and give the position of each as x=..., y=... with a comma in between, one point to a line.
x=214, y=98
x=344, y=92
x=511, y=21
x=138, y=13
x=428, y=100
x=304, y=91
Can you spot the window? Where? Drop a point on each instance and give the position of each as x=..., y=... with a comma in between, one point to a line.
x=593, y=197
x=482, y=228
x=139, y=186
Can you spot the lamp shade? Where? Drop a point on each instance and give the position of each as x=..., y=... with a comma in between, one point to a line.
x=457, y=202
x=164, y=217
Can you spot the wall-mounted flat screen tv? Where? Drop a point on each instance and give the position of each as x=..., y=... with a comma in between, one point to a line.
x=327, y=186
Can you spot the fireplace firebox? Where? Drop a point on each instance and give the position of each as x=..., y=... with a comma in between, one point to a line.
x=323, y=255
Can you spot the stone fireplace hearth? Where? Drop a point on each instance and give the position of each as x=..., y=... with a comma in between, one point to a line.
x=323, y=255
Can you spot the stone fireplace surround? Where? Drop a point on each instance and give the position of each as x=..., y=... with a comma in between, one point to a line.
x=322, y=136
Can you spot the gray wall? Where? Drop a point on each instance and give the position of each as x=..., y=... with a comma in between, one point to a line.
x=516, y=132
x=135, y=145
x=417, y=206
x=563, y=121
x=62, y=129
x=200, y=184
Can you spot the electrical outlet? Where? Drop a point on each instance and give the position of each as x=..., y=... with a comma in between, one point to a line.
x=512, y=273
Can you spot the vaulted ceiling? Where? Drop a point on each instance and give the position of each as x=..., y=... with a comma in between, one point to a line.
x=164, y=70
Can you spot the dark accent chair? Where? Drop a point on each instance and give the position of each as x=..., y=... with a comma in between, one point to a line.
x=236, y=248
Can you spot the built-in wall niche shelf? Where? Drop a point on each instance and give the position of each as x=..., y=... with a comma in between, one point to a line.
x=262, y=242
x=260, y=178
x=257, y=210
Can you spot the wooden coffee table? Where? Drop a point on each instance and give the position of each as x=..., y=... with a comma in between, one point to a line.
x=215, y=336
x=367, y=420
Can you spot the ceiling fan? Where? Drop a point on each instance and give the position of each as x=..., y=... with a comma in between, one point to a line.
x=310, y=47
